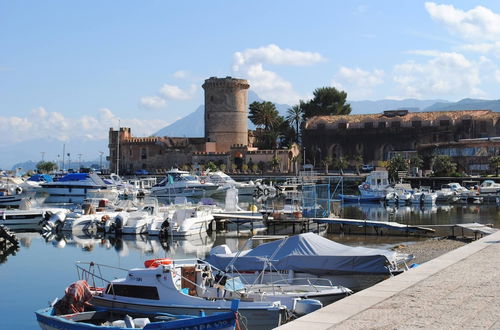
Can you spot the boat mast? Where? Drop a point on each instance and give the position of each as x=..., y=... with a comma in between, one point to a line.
x=118, y=150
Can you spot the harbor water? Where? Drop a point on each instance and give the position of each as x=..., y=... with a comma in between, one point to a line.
x=43, y=267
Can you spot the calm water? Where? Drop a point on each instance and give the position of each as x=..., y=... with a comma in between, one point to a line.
x=42, y=268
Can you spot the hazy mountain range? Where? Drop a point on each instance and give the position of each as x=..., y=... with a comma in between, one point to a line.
x=192, y=125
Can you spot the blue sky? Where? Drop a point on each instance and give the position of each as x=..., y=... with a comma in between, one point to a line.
x=69, y=70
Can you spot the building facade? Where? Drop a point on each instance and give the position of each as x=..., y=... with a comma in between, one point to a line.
x=227, y=139
x=378, y=136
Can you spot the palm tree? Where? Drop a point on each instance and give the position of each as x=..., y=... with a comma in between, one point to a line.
x=294, y=118
x=263, y=114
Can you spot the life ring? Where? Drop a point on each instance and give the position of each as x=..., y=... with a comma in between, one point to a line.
x=153, y=263
x=366, y=186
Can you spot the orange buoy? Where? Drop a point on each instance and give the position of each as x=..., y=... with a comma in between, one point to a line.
x=154, y=263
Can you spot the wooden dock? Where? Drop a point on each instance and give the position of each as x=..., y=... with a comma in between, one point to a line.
x=377, y=226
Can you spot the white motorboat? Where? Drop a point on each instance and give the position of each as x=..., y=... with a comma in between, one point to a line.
x=75, y=185
x=29, y=219
x=489, y=187
x=136, y=222
x=177, y=289
x=183, y=219
x=399, y=195
x=312, y=257
x=181, y=183
x=224, y=182
x=451, y=192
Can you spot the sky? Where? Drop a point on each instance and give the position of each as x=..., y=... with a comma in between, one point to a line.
x=70, y=70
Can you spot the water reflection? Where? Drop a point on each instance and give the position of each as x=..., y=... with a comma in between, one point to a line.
x=192, y=246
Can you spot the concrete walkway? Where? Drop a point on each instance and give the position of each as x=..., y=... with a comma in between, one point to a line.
x=458, y=290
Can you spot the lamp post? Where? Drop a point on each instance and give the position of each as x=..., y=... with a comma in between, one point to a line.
x=304, y=156
x=43, y=156
x=100, y=160
x=79, y=162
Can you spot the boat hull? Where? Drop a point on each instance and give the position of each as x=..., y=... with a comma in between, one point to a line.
x=225, y=321
x=255, y=318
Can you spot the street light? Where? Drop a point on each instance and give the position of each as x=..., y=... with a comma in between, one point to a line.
x=100, y=160
x=43, y=156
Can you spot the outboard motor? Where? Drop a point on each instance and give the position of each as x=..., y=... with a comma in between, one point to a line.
x=54, y=223
x=116, y=224
x=164, y=228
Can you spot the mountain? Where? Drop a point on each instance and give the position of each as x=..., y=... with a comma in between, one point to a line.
x=466, y=104
x=193, y=125
x=32, y=150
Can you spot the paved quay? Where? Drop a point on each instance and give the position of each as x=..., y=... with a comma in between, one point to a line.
x=458, y=290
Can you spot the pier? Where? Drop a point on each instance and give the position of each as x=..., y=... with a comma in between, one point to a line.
x=354, y=226
x=460, y=289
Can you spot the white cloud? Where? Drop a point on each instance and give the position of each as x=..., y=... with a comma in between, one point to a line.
x=479, y=23
x=482, y=48
x=176, y=93
x=357, y=82
x=268, y=84
x=152, y=102
x=181, y=74
x=273, y=54
x=445, y=75
x=42, y=124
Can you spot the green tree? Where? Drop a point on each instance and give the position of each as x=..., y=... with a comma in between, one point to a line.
x=263, y=114
x=495, y=164
x=327, y=101
x=294, y=117
x=275, y=163
x=222, y=167
x=443, y=166
x=211, y=166
x=396, y=164
x=341, y=164
x=416, y=161
x=46, y=167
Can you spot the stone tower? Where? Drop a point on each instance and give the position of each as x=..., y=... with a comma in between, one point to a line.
x=226, y=111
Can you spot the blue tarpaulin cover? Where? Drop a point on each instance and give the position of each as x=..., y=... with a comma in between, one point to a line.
x=309, y=253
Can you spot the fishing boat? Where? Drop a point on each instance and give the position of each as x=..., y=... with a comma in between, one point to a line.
x=122, y=320
x=178, y=288
x=74, y=312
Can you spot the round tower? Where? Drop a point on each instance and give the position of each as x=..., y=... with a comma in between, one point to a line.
x=226, y=112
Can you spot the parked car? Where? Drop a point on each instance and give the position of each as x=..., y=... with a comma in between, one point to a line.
x=141, y=172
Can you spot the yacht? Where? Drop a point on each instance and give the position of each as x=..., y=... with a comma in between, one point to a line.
x=181, y=183
x=75, y=185
x=224, y=182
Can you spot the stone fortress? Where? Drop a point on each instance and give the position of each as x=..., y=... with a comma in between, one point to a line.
x=470, y=137
x=227, y=138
